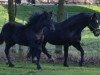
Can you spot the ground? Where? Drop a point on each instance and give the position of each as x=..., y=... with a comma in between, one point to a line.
x=22, y=68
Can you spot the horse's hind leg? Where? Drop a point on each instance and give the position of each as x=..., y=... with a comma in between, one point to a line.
x=66, y=55
x=44, y=50
x=38, y=53
x=78, y=47
x=7, y=48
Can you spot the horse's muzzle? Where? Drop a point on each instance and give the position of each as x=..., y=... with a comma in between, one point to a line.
x=96, y=32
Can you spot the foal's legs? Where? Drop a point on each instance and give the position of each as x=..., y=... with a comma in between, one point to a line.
x=38, y=54
x=44, y=50
x=35, y=52
x=66, y=55
x=78, y=47
x=7, y=48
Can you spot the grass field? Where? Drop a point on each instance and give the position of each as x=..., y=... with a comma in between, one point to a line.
x=48, y=69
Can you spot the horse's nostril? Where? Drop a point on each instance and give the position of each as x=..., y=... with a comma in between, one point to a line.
x=97, y=32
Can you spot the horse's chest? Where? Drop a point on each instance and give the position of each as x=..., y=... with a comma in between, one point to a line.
x=39, y=38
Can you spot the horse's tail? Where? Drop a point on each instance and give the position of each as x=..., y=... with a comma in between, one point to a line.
x=1, y=38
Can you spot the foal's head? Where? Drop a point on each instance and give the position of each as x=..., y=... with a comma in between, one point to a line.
x=46, y=18
x=40, y=20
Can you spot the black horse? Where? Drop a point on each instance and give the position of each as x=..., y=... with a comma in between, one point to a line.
x=28, y=35
x=68, y=33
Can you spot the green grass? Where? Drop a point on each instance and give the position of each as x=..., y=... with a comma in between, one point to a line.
x=47, y=69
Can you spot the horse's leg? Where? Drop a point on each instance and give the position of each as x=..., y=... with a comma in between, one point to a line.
x=78, y=47
x=38, y=53
x=35, y=52
x=28, y=56
x=7, y=48
x=32, y=53
x=66, y=55
x=44, y=50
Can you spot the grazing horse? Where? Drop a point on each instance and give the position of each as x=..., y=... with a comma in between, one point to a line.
x=28, y=35
x=68, y=33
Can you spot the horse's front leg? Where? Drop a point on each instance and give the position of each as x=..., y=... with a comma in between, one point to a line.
x=7, y=48
x=38, y=54
x=44, y=50
x=66, y=55
x=78, y=47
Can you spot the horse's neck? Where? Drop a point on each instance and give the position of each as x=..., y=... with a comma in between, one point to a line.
x=37, y=28
x=40, y=35
x=75, y=25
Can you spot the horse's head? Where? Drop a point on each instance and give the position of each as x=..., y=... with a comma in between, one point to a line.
x=47, y=20
x=93, y=25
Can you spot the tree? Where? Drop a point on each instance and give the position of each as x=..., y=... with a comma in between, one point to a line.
x=11, y=10
x=60, y=13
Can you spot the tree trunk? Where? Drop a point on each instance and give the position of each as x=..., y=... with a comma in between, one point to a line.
x=11, y=10
x=60, y=13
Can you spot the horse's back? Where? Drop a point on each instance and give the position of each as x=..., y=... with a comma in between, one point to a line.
x=10, y=28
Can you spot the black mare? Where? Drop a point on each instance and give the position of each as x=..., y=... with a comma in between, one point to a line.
x=68, y=33
x=28, y=35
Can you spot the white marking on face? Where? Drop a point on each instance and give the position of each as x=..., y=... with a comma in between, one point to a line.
x=97, y=21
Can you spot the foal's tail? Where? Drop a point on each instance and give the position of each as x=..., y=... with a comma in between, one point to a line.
x=1, y=38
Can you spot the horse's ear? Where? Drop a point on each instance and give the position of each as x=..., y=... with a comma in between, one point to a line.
x=93, y=15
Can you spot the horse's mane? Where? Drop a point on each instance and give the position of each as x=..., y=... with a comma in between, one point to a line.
x=33, y=19
x=76, y=18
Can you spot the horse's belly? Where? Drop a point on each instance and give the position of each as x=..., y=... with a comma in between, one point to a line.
x=62, y=40
x=56, y=41
x=20, y=39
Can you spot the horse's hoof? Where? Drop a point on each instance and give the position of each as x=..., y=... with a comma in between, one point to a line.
x=7, y=63
x=80, y=64
x=50, y=60
x=66, y=65
x=11, y=65
x=33, y=61
x=39, y=68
